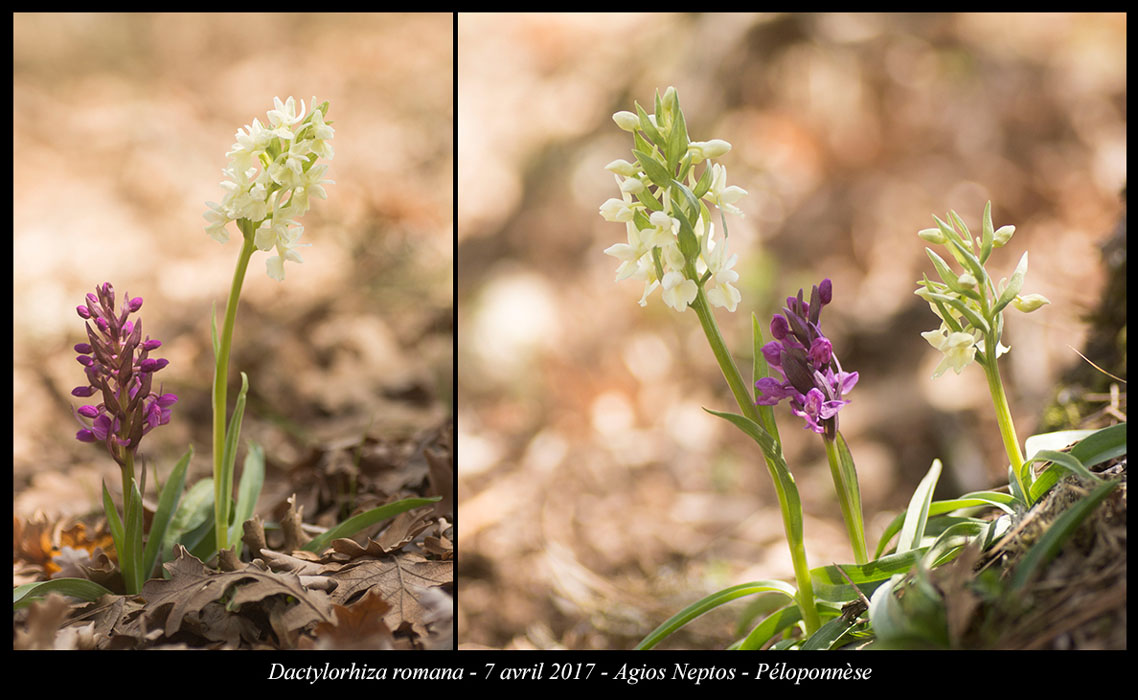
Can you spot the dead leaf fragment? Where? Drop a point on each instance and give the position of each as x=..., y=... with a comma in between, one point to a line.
x=399, y=579
x=192, y=586
x=358, y=626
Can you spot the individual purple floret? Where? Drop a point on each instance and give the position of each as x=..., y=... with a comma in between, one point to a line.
x=812, y=377
x=115, y=360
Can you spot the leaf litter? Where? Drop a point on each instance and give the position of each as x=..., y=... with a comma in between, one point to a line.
x=389, y=587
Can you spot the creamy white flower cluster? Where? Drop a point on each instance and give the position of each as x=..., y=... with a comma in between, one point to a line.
x=272, y=173
x=968, y=304
x=664, y=206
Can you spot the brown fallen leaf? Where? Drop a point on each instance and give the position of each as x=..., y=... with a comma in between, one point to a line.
x=192, y=586
x=398, y=578
x=44, y=618
x=358, y=626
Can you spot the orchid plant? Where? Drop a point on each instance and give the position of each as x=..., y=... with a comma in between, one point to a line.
x=274, y=170
x=666, y=199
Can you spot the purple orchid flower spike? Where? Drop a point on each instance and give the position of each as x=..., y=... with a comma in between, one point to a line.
x=811, y=376
x=119, y=370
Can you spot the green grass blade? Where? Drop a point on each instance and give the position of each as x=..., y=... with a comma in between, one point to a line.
x=81, y=588
x=356, y=523
x=248, y=491
x=772, y=625
x=167, y=506
x=827, y=634
x=711, y=602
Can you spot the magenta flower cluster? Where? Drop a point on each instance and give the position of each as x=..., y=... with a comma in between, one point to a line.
x=120, y=372
x=811, y=376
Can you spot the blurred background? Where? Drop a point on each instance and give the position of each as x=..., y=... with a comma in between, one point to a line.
x=597, y=497
x=121, y=126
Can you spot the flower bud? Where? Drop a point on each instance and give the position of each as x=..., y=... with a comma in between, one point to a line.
x=966, y=280
x=779, y=327
x=623, y=168
x=702, y=150
x=1002, y=235
x=932, y=235
x=626, y=120
x=83, y=311
x=826, y=291
x=632, y=186
x=1030, y=302
x=616, y=210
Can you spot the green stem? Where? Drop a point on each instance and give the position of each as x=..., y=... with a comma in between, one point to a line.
x=786, y=490
x=129, y=560
x=1004, y=414
x=849, y=497
x=221, y=497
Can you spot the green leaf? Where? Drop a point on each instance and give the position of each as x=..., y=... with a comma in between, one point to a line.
x=689, y=242
x=830, y=584
x=828, y=633
x=131, y=564
x=955, y=302
x=986, y=234
x=1094, y=449
x=223, y=487
x=945, y=271
x=648, y=127
x=704, y=182
x=677, y=141
x=1003, y=501
x=248, y=491
x=711, y=602
x=113, y=522
x=917, y=515
x=759, y=370
x=81, y=588
x=366, y=519
x=850, y=497
x=949, y=232
x=651, y=203
x=656, y=172
x=194, y=511
x=680, y=192
x=1015, y=284
x=917, y=620
x=969, y=261
x=954, y=538
x=965, y=234
x=1061, y=529
x=167, y=505
x=772, y=625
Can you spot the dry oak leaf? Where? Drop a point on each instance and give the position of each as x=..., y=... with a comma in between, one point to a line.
x=398, y=579
x=192, y=586
x=358, y=626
